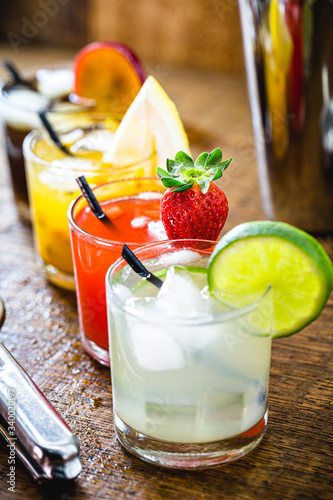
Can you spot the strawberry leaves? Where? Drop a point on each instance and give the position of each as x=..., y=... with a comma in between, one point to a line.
x=214, y=158
x=184, y=158
x=183, y=187
x=182, y=172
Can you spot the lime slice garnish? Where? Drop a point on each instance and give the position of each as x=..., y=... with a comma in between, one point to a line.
x=256, y=255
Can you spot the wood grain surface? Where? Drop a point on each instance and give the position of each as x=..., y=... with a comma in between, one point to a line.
x=294, y=460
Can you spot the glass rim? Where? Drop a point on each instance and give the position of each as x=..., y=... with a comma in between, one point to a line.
x=96, y=239
x=38, y=133
x=188, y=321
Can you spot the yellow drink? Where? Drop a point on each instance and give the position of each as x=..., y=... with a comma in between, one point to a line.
x=52, y=186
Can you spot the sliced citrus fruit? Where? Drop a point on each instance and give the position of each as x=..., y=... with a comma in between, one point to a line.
x=151, y=125
x=110, y=74
x=256, y=255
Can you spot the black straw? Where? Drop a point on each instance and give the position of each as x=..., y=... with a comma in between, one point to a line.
x=139, y=268
x=91, y=199
x=16, y=75
x=53, y=134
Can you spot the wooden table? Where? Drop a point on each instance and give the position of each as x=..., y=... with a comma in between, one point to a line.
x=294, y=460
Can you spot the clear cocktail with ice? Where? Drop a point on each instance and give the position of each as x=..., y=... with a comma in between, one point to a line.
x=52, y=186
x=189, y=373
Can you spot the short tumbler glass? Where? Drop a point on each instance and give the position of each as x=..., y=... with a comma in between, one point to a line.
x=93, y=255
x=51, y=182
x=188, y=392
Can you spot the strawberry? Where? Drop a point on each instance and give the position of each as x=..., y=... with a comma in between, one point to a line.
x=194, y=206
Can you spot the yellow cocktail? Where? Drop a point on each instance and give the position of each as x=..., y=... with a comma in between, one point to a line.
x=51, y=183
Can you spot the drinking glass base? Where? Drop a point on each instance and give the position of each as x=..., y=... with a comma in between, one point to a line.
x=59, y=278
x=189, y=456
x=97, y=352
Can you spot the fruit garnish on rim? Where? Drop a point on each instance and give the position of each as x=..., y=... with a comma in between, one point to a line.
x=194, y=206
x=257, y=255
x=110, y=74
x=150, y=126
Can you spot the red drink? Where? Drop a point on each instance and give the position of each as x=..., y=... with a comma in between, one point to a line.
x=133, y=206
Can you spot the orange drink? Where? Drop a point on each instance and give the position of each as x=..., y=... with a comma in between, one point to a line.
x=133, y=206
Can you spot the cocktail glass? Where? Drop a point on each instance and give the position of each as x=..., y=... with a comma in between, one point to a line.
x=19, y=109
x=189, y=374
x=51, y=181
x=133, y=206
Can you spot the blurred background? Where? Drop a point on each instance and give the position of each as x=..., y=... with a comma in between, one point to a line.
x=193, y=48
x=197, y=33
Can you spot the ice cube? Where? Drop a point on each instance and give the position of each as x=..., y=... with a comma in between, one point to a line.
x=122, y=292
x=157, y=229
x=72, y=136
x=97, y=140
x=21, y=108
x=28, y=99
x=255, y=404
x=61, y=183
x=155, y=349
x=216, y=407
x=55, y=83
x=140, y=221
x=76, y=164
x=180, y=295
x=62, y=174
x=183, y=258
x=194, y=338
x=149, y=195
x=115, y=212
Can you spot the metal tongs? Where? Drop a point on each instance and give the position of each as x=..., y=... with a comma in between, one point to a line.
x=32, y=427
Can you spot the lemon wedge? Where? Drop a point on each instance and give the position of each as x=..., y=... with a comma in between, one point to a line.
x=151, y=125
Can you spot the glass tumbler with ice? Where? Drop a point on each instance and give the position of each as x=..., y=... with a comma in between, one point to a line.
x=189, y=374
x=51, y=182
